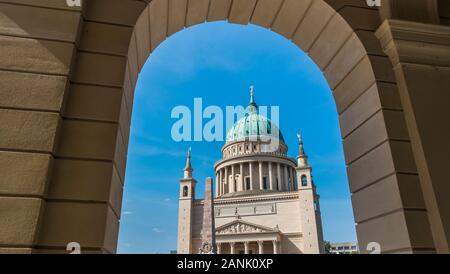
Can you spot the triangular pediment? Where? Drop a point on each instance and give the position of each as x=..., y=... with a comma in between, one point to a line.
x=243, y=227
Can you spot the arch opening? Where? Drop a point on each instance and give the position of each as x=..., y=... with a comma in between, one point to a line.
x=238, y=56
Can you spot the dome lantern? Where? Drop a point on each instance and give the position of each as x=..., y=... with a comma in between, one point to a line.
x=253, y=125
x=252, y=106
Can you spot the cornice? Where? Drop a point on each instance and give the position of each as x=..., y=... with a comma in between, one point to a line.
x=255, y=157
x=249, y=141
x=253, y=198
x=416, y=43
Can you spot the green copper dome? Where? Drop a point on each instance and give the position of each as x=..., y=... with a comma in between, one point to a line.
x=253, y=125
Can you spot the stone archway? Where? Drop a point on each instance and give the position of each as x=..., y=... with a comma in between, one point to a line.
x=70, y=75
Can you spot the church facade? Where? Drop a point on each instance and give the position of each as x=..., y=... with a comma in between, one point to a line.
x=265, y=201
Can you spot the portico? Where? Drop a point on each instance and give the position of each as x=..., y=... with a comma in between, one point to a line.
x=240, y=237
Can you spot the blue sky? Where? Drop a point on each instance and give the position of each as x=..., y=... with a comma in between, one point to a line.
x=218, y=62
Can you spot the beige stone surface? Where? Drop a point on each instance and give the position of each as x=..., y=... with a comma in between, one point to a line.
x=241, y=11
x=39, y=56
x=92, y=225
x=36, y=22
x=379, y=163
x=265, y=12
x=330, y=41
x=376, y=130
x=83, y=101
x=158, y=22
x=219, y=10
x=289, y=17
x=32, y=91
x=102, y=140
x=44, y=4
x=396, y=191
x=86, y=181
x=24, y=173
x=196, y=12
x=111, y=11
x=99, y=69
x=143, y=40
x=105, y=38
x=390, y=232
x=28, y=130
x=345, y=60
x=177, y=16
x=20, y=220
x=15, y=250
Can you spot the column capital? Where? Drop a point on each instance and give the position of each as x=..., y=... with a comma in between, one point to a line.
x=426, y=11
x=403, y=41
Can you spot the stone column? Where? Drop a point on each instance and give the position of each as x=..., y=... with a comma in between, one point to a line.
x=217, y=184
x=261, y=186
x=275, y=246
x=219, y=248
x=270, y=176
x=286, y=178
x=291, y=177
x=226, y=183
x=246, y=246
x=233, y=177
x=251, y=174
x=294, y=179
x=232, y=247
x=260, y=247
x=220, y=182
x=241, y=177
x=279, y=186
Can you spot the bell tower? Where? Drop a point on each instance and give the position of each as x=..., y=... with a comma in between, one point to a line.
x=185, y=209
x=309, y=205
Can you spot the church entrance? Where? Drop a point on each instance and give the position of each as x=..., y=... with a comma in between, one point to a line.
x=248, y=247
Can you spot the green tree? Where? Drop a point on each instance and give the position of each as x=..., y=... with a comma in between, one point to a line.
x=327, y=245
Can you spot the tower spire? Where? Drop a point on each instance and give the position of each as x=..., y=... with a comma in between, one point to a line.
x=188, y=168
x=301, y=150
x=302, y=159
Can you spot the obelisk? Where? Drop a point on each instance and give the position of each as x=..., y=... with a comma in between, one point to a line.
x=208, y=234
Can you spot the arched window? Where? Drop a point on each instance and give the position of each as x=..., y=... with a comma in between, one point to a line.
x=304, y=180
x=185, y=191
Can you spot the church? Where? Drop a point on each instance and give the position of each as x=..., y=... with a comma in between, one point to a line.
x=265, y=201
